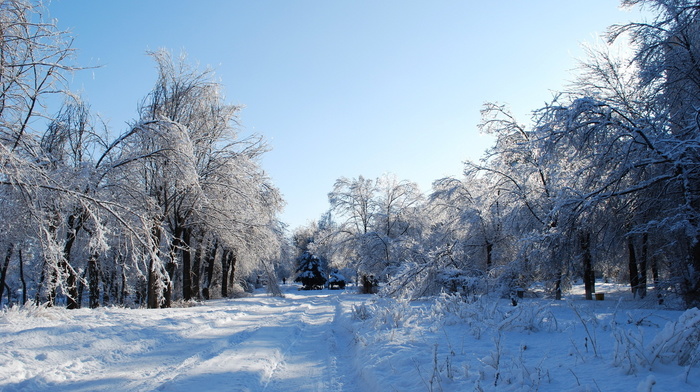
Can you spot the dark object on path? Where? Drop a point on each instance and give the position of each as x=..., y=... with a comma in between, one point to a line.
x=336, y=281
x=370, y=285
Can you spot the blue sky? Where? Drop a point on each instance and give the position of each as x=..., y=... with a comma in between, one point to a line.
x=342, y=88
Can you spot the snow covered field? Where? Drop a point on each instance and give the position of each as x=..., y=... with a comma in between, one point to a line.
x=338, y=341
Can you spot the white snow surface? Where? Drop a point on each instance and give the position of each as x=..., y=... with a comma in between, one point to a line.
x=339, y=341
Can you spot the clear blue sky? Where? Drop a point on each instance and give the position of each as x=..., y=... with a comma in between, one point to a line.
x=346, y=87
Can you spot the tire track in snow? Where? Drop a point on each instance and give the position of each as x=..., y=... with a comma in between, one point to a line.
x=209, y=343
x=244, y=361
x=289, y=373
x=251, y=344
x=293, y=347
x=314, y=361
x=174, y=366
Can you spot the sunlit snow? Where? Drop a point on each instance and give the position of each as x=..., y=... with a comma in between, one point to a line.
x=340, y=341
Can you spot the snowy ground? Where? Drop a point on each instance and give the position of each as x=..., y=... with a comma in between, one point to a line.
x=337, y=341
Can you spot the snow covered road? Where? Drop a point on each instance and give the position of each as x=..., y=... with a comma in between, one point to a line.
x=251, y=344
x=341, y=342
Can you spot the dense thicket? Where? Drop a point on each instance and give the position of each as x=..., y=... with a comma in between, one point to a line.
x=604, y=182
x=175, y=207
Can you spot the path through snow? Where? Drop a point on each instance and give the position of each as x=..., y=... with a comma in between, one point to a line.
x=315, y=341
x=260, y=343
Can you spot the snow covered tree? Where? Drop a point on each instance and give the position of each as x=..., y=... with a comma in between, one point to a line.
x=666, y=53
x=310, y=272
x=379, y=224
x=202, y=177
x=354, y=200
x=119, y=217
x=35, y=56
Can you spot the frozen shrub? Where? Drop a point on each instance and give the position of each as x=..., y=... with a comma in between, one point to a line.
x=336, y=280
x=528, y=317
x=361, y=312
x=679, y=341
x=387, y=313
x=393, y=314
x=485, y=311
x=468, y=283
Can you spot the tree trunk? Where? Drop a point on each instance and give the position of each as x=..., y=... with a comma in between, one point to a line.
x=170, y=268
x=93, y=279
x=81, y=288
x=642, y=290
x=209, y=269
x=110, y=286
x=632, y=264
x=123, y=293
x=53, y=284
x=225, y=264
x=196, y=269
x=21, y=277
x=152, y=291
x=186, y=265
x=9, y=293
x=588, y=273
x=557, y=287
x=228, y=266
x=75, y=222
x=107, y=280
x=655, y=277
x=40, y=285
x=72, y=298
x=3, y=272
x=489, y=255
x=48, y=270
x=691, y=282
x=233, y=269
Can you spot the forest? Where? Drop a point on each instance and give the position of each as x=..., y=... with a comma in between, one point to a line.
x=600, y=184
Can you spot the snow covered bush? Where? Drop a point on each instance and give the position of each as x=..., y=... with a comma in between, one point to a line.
x=679, y=341
x=678, y=344
x=387, y=313
x=487, y=312
x=361, y=312
x=336, y=280
x=469, y=283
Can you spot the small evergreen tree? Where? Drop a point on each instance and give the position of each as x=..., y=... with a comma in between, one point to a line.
x=310, y=272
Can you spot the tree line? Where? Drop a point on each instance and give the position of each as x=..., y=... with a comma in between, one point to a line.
x=175, y=207
x=604, y=181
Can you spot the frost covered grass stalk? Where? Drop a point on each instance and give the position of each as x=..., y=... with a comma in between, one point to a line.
x=435, y=380
x=449, y=370
x=32, y=310
x=590, y=330
x=493, y=360
x=388, y=314
x=629, y=350
x=496, y=357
